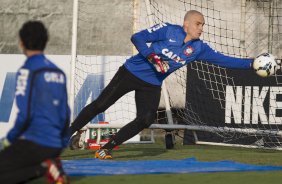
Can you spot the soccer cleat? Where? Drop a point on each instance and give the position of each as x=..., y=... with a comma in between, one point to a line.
x=103, y=154
x=55, y=173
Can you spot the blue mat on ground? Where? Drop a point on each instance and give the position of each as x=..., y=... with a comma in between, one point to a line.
x=93, y=167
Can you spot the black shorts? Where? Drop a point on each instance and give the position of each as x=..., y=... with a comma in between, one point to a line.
x=22, y=161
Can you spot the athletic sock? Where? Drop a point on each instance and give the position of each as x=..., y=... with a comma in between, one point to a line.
x=110, y=145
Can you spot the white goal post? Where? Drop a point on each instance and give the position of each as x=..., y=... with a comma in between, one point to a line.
x=201, y=97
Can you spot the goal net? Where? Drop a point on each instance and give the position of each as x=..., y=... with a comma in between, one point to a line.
x=229, y=106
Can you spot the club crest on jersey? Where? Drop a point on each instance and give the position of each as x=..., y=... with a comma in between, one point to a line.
x=188, y=51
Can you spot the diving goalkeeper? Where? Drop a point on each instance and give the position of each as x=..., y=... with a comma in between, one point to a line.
x=172, y=47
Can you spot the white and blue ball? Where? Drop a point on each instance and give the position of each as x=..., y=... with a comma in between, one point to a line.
x=265, y=65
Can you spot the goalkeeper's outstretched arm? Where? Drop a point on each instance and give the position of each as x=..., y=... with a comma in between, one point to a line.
x=212, y=56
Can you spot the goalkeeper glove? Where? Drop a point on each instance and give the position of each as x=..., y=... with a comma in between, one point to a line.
x=160, y=65
x=4, y=143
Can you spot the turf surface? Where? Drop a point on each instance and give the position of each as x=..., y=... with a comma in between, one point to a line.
x=201, y=152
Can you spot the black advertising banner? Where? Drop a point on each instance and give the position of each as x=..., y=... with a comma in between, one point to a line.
x=241, y=100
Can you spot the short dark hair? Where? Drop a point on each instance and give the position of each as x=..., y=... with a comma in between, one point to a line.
x=34, y=35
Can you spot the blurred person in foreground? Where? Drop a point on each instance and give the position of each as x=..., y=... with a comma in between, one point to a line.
x=32, y=147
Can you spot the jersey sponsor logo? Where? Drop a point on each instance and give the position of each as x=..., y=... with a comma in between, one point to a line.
x=173, y=56
x=54, y=77
x=188, y=51
x=22, y=82
x=156, y=27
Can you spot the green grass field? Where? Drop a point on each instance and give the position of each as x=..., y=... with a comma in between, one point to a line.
x=201, y=152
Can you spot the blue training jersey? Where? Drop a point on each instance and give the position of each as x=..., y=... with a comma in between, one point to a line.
x=167, y=41
x=41, y=98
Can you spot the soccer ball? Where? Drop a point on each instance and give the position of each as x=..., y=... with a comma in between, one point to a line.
x=265, y=65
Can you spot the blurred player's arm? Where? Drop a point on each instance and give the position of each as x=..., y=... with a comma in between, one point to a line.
x=66, y=132
x=23, y=98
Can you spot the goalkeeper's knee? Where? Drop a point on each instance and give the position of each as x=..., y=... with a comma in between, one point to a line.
x=148, y=119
